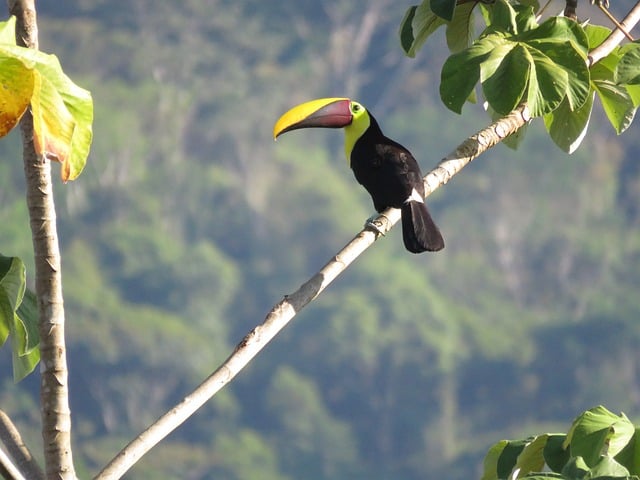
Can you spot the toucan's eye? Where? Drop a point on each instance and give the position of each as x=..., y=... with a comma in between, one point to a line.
x=355, y=107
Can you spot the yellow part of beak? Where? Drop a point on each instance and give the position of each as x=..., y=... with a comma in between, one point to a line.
x=299, y=113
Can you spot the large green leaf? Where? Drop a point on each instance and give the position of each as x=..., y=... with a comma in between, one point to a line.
x=567, y=127
x=555, y=455
x=460, y=29
x=548, y=83
x=18, y=317
x=598, y=432
x=630, y=454
x=443, y=8
x=417, y=25
x=628, y=68
x=504, y=75
x=617, y=104
x=461, y=71
x=490, y=464
x=531, y=459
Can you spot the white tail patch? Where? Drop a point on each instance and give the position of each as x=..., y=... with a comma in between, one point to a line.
x=414, y=197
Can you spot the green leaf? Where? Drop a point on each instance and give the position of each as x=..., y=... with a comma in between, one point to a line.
x=509, y=457
x=18, y=316
x=596, y=34
x=548, y=83
x=460, y=29
x=617, y=104
x=406, y=29
x=28, y=315
x=568, y=128
x=576, y=468
x=598, y=432
x=634, y=94
x=504, y=75
x=628, y=68
x=630, y=454
x=532, y=459
x=461, y=71
x=557, y=31
x=418, y=24
x=12, y=286
x=443, y=8
x=555, y=455
x=490, y=464
x=503, y=18
x=23, y=363
x=607, y=467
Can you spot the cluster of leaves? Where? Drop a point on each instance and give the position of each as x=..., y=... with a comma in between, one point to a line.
x=62, y=111
x=18, y=316
x=599, y=445
x=517, y=60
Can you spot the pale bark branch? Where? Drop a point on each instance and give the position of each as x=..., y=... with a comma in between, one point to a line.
x=7, y=469
x=54, y=392
x=17, y=449
x=284, y=311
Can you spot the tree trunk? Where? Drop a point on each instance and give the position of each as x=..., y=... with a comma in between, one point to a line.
x=56, y=416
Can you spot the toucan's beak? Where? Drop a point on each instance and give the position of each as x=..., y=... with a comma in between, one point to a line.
x=324, y=112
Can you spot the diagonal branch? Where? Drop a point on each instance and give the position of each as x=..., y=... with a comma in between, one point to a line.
x=285, y=310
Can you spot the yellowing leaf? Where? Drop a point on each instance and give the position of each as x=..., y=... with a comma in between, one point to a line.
x=16, y=87
x=52, y=123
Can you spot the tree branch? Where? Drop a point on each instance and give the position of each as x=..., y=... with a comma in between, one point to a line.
x=7, y=469
x=285, y=310
x=17, y=449
x=54, y=393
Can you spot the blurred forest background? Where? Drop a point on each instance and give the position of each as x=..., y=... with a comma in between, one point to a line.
x=189, y=223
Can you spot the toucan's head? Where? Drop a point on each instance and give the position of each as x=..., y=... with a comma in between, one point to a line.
x=327, y=113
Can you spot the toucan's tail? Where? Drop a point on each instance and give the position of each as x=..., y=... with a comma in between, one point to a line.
x=419, y=231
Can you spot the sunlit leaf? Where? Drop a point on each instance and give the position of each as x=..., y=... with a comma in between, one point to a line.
x=596, y=34
x=598, y=432
x=531, y=459
x=490, y=464
x=8, y=31
x=17, y=87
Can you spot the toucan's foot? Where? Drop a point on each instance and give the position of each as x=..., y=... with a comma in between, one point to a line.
x=377, y=223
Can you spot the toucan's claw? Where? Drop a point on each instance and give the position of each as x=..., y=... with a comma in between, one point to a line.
x=379, y=223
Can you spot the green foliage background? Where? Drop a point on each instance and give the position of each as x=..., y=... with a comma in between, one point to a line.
x=189, y=223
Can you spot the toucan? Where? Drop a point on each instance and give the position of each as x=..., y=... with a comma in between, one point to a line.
x=385, y=168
